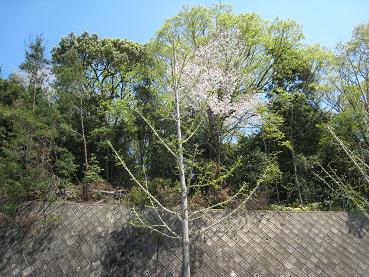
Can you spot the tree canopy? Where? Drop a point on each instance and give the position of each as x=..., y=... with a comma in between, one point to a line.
x=254, y=96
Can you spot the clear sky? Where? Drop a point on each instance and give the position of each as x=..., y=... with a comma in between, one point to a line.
x=324, y=21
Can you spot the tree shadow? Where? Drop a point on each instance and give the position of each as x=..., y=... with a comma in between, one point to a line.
x=136, y=251
x=358, y=224
x=130, y=253
x=24, y=236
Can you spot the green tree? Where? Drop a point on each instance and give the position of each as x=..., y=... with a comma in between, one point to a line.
x=27, y=144
x=94, y=80
x=345, y=142
x=35, y=68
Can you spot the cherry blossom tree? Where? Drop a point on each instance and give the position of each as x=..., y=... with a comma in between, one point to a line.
x=209, y=66
x=209, y=80
x=215, y=81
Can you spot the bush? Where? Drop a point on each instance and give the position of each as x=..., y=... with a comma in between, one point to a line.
x=10, y=207
x=65, y=165
x=92, y=174
x=165, y=190
x=316, y=206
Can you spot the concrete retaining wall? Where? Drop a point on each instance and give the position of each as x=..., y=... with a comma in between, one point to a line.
x=62, y=239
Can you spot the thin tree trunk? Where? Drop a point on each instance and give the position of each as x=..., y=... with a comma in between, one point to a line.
x=85, y=193
x=297, y=183
x=186, y=272
x=107, y=166
x=33, y=86
x=182, y=179
x=83, y=135
x=34, y=99
x=276, y=185
x=219, y=146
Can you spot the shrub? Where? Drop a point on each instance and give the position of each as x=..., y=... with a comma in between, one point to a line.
x=65, y=165
x=162, y=188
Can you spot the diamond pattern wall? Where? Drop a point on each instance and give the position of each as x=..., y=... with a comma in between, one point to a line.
x=61, y=239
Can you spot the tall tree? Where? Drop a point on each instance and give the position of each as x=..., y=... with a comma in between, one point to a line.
x=36, y=68
x=94, y=78
x=27, y=144
x=345, y=143
x=194, y=76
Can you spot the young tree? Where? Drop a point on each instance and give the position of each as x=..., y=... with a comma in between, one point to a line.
x=351, y=84
x=35, y=67
x=355, y=189
x=73, y=97
x=207, y=79
x=346, y=141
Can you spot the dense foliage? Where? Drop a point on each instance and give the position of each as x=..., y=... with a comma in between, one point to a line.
x=309, y=126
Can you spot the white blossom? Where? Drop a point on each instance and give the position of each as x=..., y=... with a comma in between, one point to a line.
x=43, y=79
x=215, y=76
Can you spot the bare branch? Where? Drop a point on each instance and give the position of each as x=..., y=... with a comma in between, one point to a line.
x=220, y=203
x=192, y=134
x=347, y=191
x=153, y=206
x=139, y=183
x=152, y=226
x=352, y=157
x=232, y=212
x=157, y=135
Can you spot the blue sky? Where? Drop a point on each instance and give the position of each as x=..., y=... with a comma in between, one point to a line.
x=324, y=21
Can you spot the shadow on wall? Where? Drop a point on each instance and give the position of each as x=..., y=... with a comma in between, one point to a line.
x=134, y=251
x=27, y=235
x=357, y=224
